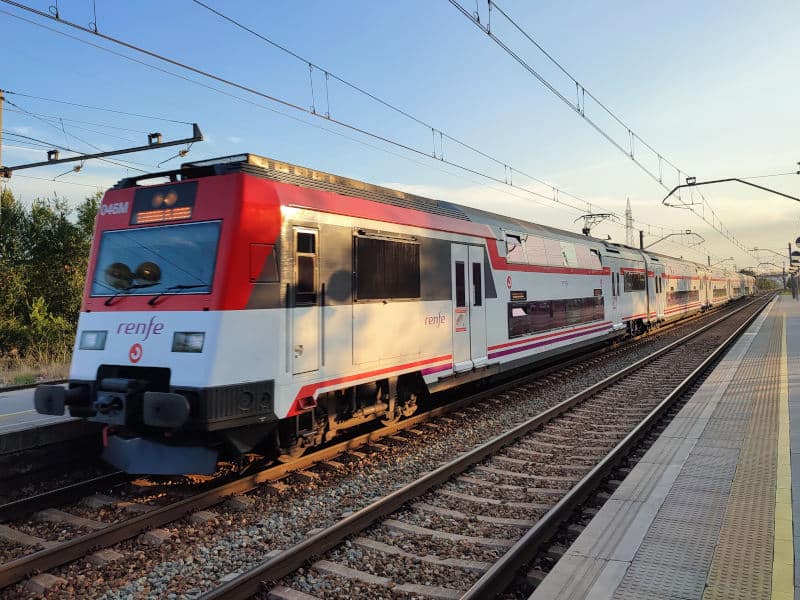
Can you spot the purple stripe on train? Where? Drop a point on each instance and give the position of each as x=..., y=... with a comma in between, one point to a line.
x=549, y=341
x=431, y=370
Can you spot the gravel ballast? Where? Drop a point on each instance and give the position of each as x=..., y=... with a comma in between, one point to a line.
x=197, y=556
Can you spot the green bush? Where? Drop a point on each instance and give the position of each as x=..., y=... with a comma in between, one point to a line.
x=44, y=250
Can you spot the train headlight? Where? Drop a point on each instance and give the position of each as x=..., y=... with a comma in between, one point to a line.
x=93, y=340
x=188, y=341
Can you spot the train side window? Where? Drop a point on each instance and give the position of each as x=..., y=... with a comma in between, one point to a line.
x=634, y=281
x=305, y=289
x=263, y=263
x=515, y=251
x=386, y=269
x=461, y=292
x=613, y=285
x=477, y=284
x=543, y=315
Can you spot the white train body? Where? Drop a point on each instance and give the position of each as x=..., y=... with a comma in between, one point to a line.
x=329, y=302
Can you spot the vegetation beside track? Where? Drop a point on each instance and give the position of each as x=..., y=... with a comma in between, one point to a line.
x=44, y=248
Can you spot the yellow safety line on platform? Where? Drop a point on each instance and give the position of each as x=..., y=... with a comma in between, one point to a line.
x=783, y=550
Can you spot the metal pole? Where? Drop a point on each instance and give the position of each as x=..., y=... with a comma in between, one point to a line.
x=641, y=239
x=2, y=101
x=2, y=171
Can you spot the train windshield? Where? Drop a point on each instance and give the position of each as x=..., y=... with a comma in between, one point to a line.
x=171, y=259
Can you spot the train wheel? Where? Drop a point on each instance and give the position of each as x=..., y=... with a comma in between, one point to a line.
x=293, y=452
x=403, y=409
x=410, y=405
x=396, y=416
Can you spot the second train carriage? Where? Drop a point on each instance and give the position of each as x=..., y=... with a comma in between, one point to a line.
x=247, y=300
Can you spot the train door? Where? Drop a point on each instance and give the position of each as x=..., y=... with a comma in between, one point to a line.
x=614, y=311
x=650, y=291
x=477, y=310
x=469, y=313
x=660, y=305
x=306, y=310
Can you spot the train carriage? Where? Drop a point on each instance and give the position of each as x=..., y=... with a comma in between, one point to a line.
x=719, y=287
x=242, y=303
x=682, y=283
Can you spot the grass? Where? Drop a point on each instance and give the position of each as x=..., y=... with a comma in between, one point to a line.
x=28, y=371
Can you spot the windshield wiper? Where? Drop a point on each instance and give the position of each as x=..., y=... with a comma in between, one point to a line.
x=173, y=288
x=127, y=289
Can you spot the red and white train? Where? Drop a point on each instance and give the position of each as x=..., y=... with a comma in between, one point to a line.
x=248, y=301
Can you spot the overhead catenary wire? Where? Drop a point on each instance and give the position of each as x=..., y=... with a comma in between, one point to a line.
x=52, y=145
x=361, y=90
x=557, y=194
x=125, y=164
x=579, y=106
x=771, y=175
x=258, y=93
x=90, y=107
x=72, y=125
x=82, y=122
x=63, y=181
x=508, y=169
x=328, y=74
x=270, y=97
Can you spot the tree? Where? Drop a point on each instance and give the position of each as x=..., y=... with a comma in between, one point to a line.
x=44, y=253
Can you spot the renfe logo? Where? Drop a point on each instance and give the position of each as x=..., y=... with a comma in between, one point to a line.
x=437, y=320
x=115, y=208
x=135, y=353
x=144, y=329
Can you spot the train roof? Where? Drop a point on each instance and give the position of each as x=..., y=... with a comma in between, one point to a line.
x=276, y=170
x=284, y=172
x=269, y=168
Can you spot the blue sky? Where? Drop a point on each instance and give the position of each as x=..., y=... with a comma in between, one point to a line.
x=711, y=85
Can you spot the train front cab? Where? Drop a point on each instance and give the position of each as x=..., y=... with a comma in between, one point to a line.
x=169, y=354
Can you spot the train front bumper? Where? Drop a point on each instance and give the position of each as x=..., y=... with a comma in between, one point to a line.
x=115, y=402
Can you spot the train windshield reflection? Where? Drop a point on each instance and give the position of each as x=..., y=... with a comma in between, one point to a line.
x=155, y=260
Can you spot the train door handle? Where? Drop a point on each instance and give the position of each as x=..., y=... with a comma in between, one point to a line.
x=298, y=350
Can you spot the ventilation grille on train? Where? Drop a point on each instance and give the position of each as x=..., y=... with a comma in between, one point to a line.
x=275, y=170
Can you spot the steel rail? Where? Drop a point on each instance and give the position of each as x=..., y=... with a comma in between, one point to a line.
x=59, y=496
x=251, y=582
x=65, y=552
x=501, y=574
x=13, y=571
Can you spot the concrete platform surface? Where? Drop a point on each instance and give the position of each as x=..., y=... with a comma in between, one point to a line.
x=712, y=509
x=22, y=428
x=17, y=412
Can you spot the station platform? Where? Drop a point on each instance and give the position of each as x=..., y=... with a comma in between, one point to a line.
x=22, y=428
x=712, y=511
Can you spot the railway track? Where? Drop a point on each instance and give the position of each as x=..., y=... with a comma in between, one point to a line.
x=465, y=529
x=25, y=473
x=148, y=515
